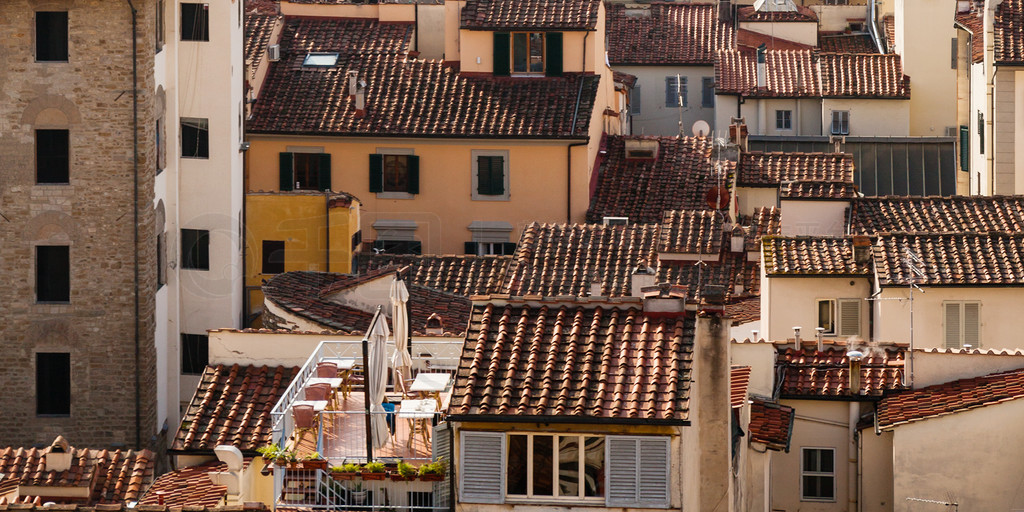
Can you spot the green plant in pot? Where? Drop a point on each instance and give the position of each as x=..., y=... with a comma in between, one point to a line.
x=404, y=472
x=345, y=471
x=314, y=461
x=374, y=471
x=434, y=471
x=270, y=452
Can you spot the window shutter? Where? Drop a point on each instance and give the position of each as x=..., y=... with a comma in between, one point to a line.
x=972, y=324
x=965, y=148
x=483, y=175
x=482, y=472
x=442, y=448
x=621, y=461
x=636, y=100
x=287, y=176
x=671, y=95
x=849, y=317
x=324, y=177
x=553, y=57
x=471, y=247
x=414, y=174
x=952, y=324
x=654, y=471
x=502, y=66
x=376, y=173
x=497, y=175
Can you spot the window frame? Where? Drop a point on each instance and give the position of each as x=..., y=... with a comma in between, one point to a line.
x=676, y=89
x=48, y=154
x=512, y=53
x=265, y=256
x=196, y=34
x=47, y=382
x=836, y=314
x=529, y=497
x=386, y=152
x=64, y=285
x=707, y=92
x=201, y=341
x=475, y=175
x=843, y=120
x=201, y=126
x=784, y=119
x=819, y=474
x=39, y=32
x=832, y=316
x=200, y=260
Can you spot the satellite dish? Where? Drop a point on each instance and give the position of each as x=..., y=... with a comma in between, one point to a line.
x=701, y=128
x=717, y=198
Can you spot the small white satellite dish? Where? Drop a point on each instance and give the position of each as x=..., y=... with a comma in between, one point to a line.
x=701, y=128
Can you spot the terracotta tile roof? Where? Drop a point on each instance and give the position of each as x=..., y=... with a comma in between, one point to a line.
x=530, y=14
x=809, y=373
x=819, y=190
x=262, y=6
x=847, y=43
x=406, y=97
x=123, y=507
x=232, y=406
x=791, y=74
x=934, y=214
x=691, y=232
x=576, y=361
x=258, y=29
x=188, y=487
x=757, y=169
x=771, y=424
x=889, y=26
x=739, y=379
x=625, y=79
x=972, y=22
x=458, y=274
x=950, y=397
x=965, y=259
x=748, y=14
x=744, y=311
x=1009, y=32
x=111, y=476
x=666, y=34
x=561, y=260
x=805, y=255
x=678, y=179
x=309, y=295
x=765, y=221
x=748, y=40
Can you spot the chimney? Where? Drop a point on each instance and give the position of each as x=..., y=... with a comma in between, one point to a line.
x=753, y=334
x=820, y=331
x=861, y=249
x=352, y=76
x=595, y=288
x=796, y=338
x=58, y=457
x=738, y=240
x=725, y=11
x=855, y=357
x=738, y=133
x=761, y=66
x=664, y=300
x=711, y=365
x=360, y=103
x=643, y=277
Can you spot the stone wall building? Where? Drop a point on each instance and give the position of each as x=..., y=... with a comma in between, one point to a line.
x=77, y=237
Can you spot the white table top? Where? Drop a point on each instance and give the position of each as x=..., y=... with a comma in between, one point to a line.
x=344, y=363
x=318, y=405
x=335, y=382
x=431, y=382
x=416, y=409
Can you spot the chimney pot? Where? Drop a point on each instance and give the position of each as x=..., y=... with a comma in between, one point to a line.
x=796, y=338
x=855, y=357
x=754, y=334
x=820, y=331
x=643, y=277
x=762, y=80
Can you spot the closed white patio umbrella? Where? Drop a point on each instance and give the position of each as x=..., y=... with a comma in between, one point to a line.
x=400, y=320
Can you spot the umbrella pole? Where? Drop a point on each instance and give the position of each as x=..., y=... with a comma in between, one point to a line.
x=366, y=385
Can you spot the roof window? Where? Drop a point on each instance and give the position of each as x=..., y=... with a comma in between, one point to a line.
x=320, y=59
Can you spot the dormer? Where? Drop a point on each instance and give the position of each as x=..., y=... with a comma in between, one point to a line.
x=781, y=19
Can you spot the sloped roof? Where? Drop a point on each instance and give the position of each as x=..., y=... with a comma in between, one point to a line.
x=744, y=311
x=793, y=74
x=691, y=231
x=812, y=256
x=530, y=14
x=232, y=406
x=765, y=221
x=771, y=424
x=972, y=259
x=739, y=379
x=847, y=43
x=950, y=398
x=808, y=373
x=406, y=97
x=818, y=190
x=574, y=361
x=258, y=29
x=935, y=214
x=1008, y=26
x=678, y=179
x=663, y=33
x=801, y=14
x=458, y=274
x=973, y=23
x=756, y=168
x=188, y=487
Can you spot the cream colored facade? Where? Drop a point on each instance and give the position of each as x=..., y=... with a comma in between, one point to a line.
x=760, y=115
x=198, y=79
x=798, y=32
x=924, y=38
x=813, y=217
x=792, y=301
x=657, y=118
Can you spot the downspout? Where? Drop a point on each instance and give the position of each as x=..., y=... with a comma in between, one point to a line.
x=416, y=22
x=854, y=463
x=990, y=80
x=327, y=231
x=135, y=211
x=568, y=149
x=873, y=28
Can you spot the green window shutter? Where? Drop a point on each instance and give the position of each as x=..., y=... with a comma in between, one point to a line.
x=965, y=148
x=471, y=247
x=287, y=176
x=553, y=49
x=502, y=66
x=376, y=173
x=497, y=175
x=414, y=174
x=483, y=175
x=325, y=172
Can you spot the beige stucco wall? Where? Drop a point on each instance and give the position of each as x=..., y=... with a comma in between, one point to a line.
x=760, y=357
x=760, y=115
x=749, y=198
x=872, y=117
x=800, y=32
x=382, y=11
x=792, y=301
x=1001, y=321
x=808, y=217
x=876, y=474
x=981, y=180
x=1004, y=127
x=937, y=368
x=975, y=457
x=924, y=36
x=478, y=45
x=655, y=117
x=836, y=18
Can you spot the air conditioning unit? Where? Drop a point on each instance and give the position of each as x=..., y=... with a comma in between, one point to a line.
x=952, y=131
x=641, y=149
x=616, y=221
x=274, y=52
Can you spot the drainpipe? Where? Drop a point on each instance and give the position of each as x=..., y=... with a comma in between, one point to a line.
x=854, y=357
x=135, y=211
x=568, y=149
x=990, y=80
x=327, y=230
x=873, y=27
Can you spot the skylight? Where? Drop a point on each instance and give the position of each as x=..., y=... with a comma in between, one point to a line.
x=320, y=59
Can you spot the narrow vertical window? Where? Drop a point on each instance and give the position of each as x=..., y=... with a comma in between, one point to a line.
x=273, y=256
x=53, y=384
x=195, y=353
x=53, y=273
x=195, y=249
x=52, y=156
x=52, y=36
x=195, y=137
x=675, y=91
x=708, y=92
x=195, y=22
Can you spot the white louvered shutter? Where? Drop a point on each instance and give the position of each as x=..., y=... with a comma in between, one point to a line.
x=442, y=447
x=482, y=472
x=638, y=471
x=849, y=317
x=972, y=324
x=952, y=324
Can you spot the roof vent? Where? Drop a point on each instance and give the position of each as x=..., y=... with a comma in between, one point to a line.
x=616, y=221
x=274, y=52
x=861, y=249
x=58, y=457
x=641, y=149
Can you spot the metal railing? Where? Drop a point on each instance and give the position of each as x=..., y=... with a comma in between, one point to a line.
x=342, y=436
x=319, y=489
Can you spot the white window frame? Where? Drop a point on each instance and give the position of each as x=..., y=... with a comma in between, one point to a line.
x=529, y=497
x=842, y=117
x=835, y=310
x=832, y=314
x=786, y=120
x=474, y=179
x=804, y=472
x=963, y=330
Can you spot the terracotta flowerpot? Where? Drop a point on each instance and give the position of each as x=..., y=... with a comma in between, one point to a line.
x=395, y=477
x=342, y=476
x=374, y=476
x=315, y=464
x=431, y=477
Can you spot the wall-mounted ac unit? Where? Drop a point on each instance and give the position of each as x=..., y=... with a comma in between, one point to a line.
x=616, y=221
x=274, y=52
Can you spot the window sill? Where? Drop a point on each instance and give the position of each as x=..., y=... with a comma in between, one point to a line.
x=395, y=195
x=200, y=269
x=195, y=157
x=548, y=501
x=52, y=61
x=528, y=75
x=477, y=197
x=53, y=302
x=52, y=416
x=817, y=500
x=53, y=184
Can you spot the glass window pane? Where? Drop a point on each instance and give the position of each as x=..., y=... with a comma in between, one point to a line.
x=825, y=315
x=520, y=52
x=810, y=460
x=825, y=463
x=543, y=452
x=568, y=466
x=536, y=52
x=396, y=173
x=516, y=478
x=593, y=466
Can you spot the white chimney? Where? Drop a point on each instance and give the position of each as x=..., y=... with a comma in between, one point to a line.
x=820, y=331
x=595, y=289
x=762, y=80
x=796, y=338
x=754, y=334
x=643, y=277
x=352, y=76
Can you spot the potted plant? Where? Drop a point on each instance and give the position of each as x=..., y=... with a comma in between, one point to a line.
x=269, y=452
x=374, y=471
x=314, y=461
x=345, y=471
x=404, y=473
x=289, y=457
x=357, y=494
x=433, y=471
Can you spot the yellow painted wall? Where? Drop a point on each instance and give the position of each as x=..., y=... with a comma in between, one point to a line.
x=479, y=44
x=444, y=208
x=383, y=12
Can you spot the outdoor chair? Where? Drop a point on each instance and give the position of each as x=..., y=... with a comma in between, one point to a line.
x=327, y=369
x=305, y=420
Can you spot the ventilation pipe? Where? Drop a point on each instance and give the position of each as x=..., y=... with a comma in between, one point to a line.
x=820, y=331
x=796, y=338
x=761, y=66
x=873, y=26
x=753, y=333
